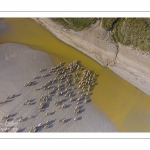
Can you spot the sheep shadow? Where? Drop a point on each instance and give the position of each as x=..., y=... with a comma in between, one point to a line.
x=52, y=121
x=80, y=102
x=67, y=120
x=88, y=101
x=80, y=107
x=68, y=105
x=49, y=99
x=41, y=127
x=17, y=95
x=82, y=98
x=32, y=100
x=79, y=118
x=21, y=130
x=37, y=77
x=43, y=70
x=9, y=119
x=34, y=82
x=73, y=95
x=9, y=100
x=82, y=110
x=65, y=99
x=50, y=126
x=74, y=99
x=33, y=103
x=49, y=74
x=13, y=115
x=52, y=113
x=25, y=119
x=33, y=116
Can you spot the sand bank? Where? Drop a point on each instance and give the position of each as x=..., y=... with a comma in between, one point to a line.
x=18, y=65
x=131, y=65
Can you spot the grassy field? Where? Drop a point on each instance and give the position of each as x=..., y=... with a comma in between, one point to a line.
x=77, y=24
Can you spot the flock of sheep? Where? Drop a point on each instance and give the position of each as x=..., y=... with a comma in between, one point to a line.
x=68, y=82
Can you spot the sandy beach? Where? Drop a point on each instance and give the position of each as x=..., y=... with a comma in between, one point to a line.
x=18, y=65
x=131, y=65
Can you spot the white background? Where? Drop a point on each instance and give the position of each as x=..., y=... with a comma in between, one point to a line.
x=76, y=5
x=78, y=8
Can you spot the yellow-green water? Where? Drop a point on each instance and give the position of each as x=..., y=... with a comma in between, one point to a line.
x=126, y=106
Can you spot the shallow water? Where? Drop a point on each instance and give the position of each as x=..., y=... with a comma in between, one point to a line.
x=126, y=106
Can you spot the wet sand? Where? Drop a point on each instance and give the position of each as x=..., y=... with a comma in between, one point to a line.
x=18, y=65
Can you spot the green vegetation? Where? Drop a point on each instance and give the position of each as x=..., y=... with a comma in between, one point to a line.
x=107, y=23
x=76, y=24
x=130, y=31
x=133, y=31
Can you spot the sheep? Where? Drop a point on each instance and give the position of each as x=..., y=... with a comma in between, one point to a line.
x=49, y=92
x=77, y=111
x=46, y=114
x=64, y=106
x=85, y=101
x=39, y=124
x=30, y=117
x=47, y=122
x=87, y=93
x=77, y=107
x=46, y=126
x=3, y=118
x=71, y=100
x=61, y=100
x=59, y=120
x=78, y=103
x=63, y=120
x=78, y=99
x=75, y=118
x=20, y=119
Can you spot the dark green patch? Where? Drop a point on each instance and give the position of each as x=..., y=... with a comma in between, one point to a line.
x=107, y=23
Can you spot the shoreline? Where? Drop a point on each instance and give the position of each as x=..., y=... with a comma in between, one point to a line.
x=131, y=65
